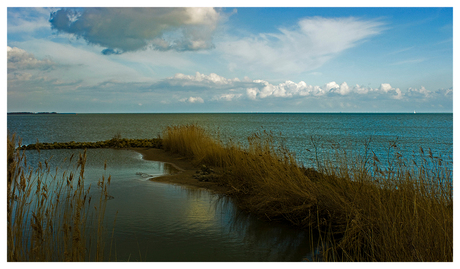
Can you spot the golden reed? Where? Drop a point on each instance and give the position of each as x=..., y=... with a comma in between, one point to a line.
x=50, y=217
x=365, y=211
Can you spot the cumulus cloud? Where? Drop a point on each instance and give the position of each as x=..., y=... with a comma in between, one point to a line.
x=331, y=89
x=19, y=59
x=213, y=87
x=131, y=29
x=334, y=88
x=285, y=89
x=212, y=78
x=395, y=93
x=192, y=100
x=227, y=96
x=212, y=83
x=252, y=93
x=385, y=87
x=217, y=88
x=201, y=88
x=310, y=44
x=422, y=92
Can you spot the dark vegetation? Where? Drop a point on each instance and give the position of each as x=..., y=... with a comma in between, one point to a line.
x=112, y=143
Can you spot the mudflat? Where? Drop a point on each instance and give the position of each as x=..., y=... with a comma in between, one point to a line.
x=186, y=170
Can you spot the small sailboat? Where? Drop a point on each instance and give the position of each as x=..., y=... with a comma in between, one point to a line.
x=414, y=111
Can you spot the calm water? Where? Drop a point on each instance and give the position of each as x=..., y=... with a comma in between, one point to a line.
x=411, y=131
x=161, y=222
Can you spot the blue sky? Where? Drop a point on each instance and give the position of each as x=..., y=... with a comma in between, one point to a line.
x=231, y=59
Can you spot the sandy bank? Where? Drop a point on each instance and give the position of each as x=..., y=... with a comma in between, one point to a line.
x=186, y=170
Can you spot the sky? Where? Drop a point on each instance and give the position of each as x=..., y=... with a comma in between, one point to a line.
x=230, y=59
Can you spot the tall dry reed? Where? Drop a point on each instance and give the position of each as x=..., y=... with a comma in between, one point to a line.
x=368, y=211
x=48, y=215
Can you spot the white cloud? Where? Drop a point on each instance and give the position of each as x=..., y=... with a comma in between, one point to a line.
x=344, y=89
x=201, y=78
x=329, y=35
x=422, y=92
x=19, y=59
x=213, y=87
x=306, y=47
x=252, y=93
x=398, y=94
x=360, y=89
x=394, y=93
x=231, y=89
x=131, y=29
x=287, y=89
x=192, y=99
x=200, y=15
x=331, y=85
x=228, y=96
x=385, y=87
x=291, y=89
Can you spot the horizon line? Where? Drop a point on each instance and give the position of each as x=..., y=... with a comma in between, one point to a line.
x=238, y=112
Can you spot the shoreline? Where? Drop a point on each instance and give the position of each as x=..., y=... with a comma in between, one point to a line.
x=186, y=170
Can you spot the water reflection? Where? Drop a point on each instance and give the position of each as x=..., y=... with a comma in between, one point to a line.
x=163, y=222
x=260, y=240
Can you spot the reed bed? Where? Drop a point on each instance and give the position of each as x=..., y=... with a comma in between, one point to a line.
x=51, y=216
x=364, y=209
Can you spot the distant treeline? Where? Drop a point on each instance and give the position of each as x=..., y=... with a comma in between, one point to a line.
x=14, y=113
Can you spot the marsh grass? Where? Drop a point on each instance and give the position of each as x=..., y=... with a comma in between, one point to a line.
x=365, y=209
x=50, y=214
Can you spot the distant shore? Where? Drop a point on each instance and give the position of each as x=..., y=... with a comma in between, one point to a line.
x=31, y=113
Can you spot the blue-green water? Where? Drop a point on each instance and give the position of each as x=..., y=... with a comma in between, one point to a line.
x=162, y=222
x=296, y=131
